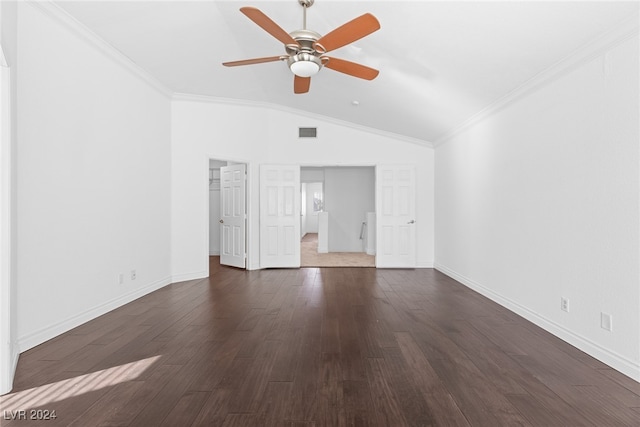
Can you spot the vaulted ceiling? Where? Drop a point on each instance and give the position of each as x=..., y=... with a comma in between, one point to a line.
x=440, y=62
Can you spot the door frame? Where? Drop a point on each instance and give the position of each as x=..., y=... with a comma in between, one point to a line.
x=8, y=346
x=248, y=206
x=348, y=165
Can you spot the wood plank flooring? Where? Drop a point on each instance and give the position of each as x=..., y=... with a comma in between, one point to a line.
x=316, y=347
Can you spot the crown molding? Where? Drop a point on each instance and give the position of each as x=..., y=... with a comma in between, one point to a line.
x=315, y=116
x=623, y=31
x=52, y=10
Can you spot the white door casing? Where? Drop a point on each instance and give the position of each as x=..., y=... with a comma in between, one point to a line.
x=395, y=206
x=279, y=216
x=8, y=349
x=233, y=218
x=303, y=209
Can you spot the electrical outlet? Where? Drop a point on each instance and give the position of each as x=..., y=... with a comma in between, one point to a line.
x=564, y=304
x=133, y=275
x=606, y=321
x=120, y=279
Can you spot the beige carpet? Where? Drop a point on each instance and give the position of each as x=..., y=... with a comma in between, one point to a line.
x=309, y=256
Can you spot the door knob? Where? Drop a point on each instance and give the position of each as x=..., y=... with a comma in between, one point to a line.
x=221, y=222
x=413, y=221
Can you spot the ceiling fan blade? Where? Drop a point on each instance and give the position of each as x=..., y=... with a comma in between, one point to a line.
x=301, y=84
x=251, y=61
x=351, y=68
x=268, y=25
x=348, y=33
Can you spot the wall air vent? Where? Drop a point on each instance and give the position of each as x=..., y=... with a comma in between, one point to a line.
x=307, y=132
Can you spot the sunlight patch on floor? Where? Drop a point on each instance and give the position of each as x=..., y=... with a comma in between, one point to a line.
x=76, y=386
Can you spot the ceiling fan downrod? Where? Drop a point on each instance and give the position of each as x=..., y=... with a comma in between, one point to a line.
x=305, y=39
x=305, y=4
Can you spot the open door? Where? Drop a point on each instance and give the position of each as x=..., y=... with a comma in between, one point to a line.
x=279, y=216
x=233, y=221
x=395, y=200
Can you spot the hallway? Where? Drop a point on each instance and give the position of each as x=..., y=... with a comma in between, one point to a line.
x=309, y=256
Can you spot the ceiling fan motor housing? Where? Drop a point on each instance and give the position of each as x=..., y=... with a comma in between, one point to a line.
x=306, y=39
x=304, y=60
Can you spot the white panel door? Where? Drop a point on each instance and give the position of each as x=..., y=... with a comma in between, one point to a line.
x=395, y=200
x=233, y=218
x=279, y=216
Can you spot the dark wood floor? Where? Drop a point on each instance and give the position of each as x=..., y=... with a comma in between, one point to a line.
x=317, y=347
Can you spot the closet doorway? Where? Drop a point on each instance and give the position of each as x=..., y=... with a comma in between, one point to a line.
x=228, y=212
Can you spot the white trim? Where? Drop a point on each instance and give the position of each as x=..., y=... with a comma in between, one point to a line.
x=625, y=30
x=616, y=361
x=185, y=277
x=54, y=11
x=8, y=351
x=38, y=337
x=3, y=59
x=424, y=264
x=15, y=355
x=268, y=105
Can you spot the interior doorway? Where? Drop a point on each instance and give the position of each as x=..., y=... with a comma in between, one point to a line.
x=337, y=216
x=228, y=212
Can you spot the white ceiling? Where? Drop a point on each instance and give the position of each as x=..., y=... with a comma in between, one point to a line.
x=440, y=62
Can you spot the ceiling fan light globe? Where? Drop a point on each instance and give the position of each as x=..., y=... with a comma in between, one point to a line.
x=304, y=64
x=304, y=68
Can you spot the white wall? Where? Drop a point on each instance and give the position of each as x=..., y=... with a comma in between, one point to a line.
x=349, y=193
x=540, y=201
x=203, y=130
x=311, y=216
x=312, y=174
x=313, y=179
x=93, y=179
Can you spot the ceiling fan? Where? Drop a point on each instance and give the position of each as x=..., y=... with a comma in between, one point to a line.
x=306, y=49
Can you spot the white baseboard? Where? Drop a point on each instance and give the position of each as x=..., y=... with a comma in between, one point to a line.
x=418, y=264
x=15, y=355
x=424, y=264
x=38, y=337
x=614, y=360
x=183, y=277
x=7, y=377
